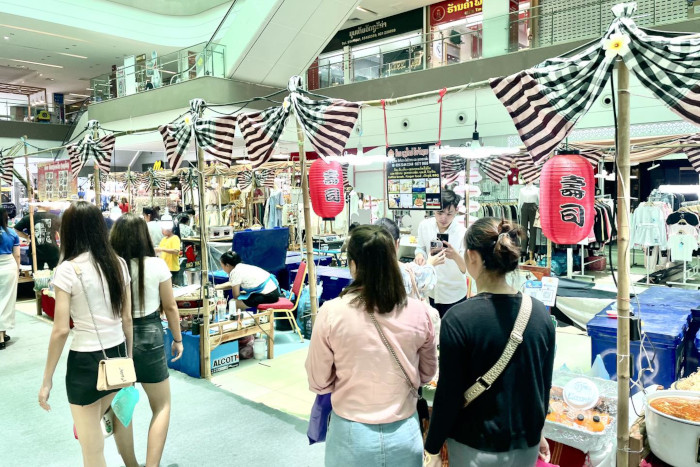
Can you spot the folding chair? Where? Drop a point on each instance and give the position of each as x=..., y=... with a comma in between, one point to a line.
x=285, y=306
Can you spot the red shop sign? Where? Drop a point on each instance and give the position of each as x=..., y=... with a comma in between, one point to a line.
x=448, y=11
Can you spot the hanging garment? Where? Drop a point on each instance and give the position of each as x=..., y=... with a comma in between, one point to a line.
x=649, y=226
x=682, y=247
x=528, y=214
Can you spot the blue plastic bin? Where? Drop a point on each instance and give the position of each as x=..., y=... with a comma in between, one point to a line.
x=334, y=281
x=664, y=326
x=223, y=356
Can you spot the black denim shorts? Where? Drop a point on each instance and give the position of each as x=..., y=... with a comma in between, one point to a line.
x=149, y=350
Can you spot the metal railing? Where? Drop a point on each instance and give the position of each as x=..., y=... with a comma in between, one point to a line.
x=19, y=110
x=527, y=29
x=192, y=62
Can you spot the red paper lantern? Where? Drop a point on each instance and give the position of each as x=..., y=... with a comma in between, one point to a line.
x=567, y=198
x=326, y=188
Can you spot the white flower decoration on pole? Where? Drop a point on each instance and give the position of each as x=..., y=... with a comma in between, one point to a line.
x=616, y=44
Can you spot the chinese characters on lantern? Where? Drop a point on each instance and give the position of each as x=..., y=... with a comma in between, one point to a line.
x=572, y=187
x=330, y=177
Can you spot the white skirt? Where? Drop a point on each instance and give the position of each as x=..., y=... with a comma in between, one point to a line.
x=9, y=278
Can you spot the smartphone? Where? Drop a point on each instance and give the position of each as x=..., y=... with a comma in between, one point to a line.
x=436, y=247
x=443, y=237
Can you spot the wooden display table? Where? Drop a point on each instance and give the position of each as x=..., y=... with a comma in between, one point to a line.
x=227, y=331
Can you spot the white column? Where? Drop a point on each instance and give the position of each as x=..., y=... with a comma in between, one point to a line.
x=495, y=27
x=347, y=65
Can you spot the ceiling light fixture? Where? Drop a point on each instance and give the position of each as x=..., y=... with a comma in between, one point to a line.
x=7, y=38
x=169, y=72
x=365, y=10
x=72, y=55
x=34, y=63
x=79, y=95
x=42, y=32
x=89, y=89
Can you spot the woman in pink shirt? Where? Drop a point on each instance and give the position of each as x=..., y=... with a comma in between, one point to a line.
x=374, y=419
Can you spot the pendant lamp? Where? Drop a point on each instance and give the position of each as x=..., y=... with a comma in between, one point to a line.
x=567, y=198
x=326, y=188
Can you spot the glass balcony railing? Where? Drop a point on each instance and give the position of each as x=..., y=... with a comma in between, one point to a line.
x=150, y=73
x=19, y=110
x=474, y=38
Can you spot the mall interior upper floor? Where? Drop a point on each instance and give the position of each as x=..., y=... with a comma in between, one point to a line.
x=356, y=50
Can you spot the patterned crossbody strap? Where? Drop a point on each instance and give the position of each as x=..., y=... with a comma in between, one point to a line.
x=483, y=383
x=414, y=391
x=79, y=273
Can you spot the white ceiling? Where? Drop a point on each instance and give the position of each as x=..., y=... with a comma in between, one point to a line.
x=173, y=7
x=104, y=31
x=383, y=8
x=305, y=25
x=43, y=43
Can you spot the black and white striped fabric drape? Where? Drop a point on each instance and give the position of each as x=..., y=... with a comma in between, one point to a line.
x=261, y=131
x=451, y=167
x=327, y=124
x=101, y=150
x=496, y=168
x=6, y=167
x=546, y=101
x=693, y=153
x=346, y=180
x=152, y=179
x=214, y=135
x=257, y=178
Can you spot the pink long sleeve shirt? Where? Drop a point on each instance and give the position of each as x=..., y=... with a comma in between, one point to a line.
x=348, y=359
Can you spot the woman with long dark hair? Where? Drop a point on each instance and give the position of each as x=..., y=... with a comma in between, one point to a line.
x=151, y=288
x=91, y=285
x=372, y=348
x=9, y=276
x=502, y=426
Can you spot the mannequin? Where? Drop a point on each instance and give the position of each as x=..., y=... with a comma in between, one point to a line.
x=528, y=202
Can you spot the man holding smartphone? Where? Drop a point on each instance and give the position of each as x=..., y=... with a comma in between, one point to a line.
x=441, y=243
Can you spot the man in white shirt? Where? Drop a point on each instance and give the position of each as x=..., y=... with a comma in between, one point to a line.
x=451, y=287
x=154, y=228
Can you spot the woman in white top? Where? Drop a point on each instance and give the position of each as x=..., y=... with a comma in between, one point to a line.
x=251, y=286
x=151, y=287
x=91, y=285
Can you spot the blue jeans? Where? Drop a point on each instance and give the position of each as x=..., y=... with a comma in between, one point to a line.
x=351, y=443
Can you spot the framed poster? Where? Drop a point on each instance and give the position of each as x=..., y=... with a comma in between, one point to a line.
x=413, y=177
x=55, y=181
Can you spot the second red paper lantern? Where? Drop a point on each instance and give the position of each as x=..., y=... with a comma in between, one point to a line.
x=567, y=198
x=326, y=189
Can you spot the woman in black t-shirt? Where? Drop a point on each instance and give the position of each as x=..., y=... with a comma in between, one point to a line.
x=503, y=426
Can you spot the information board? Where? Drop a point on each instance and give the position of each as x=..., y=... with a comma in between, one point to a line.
x=413, y=177
x=55, y=181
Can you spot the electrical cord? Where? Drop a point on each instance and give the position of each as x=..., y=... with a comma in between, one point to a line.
x=644, y=337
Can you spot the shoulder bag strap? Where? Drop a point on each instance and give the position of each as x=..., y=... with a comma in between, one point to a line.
x=483, y=383
x=79, y=273
x=414, y=391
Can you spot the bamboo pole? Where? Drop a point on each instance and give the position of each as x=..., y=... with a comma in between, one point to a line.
x=311, y=267
x=30, y=200
x=623, y=265
x=421, y=95
x=205, y=344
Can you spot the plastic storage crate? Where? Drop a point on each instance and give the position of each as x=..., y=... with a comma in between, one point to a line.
x=665, y=327
x=223, y=356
